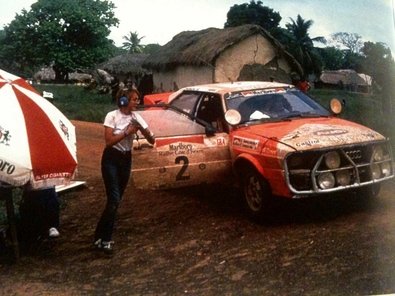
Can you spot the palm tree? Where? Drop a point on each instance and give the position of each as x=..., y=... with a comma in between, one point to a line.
x=302, y=46
x=132, y=43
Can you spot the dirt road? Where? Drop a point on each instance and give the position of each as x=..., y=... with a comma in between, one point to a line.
x=197, y=241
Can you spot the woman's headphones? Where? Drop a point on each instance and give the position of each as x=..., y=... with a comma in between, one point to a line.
x=123, y=101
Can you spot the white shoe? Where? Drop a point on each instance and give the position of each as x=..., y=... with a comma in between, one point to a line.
x=53, y=232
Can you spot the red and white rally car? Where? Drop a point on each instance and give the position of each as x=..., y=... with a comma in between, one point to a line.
x=270, y=137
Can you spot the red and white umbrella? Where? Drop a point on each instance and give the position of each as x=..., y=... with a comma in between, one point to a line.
x=37, y=142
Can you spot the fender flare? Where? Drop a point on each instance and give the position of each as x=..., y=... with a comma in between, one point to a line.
x=247, y=159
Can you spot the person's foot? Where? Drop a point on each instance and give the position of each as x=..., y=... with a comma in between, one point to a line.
x=108, y=247
x=53, y=232
x=105, y=246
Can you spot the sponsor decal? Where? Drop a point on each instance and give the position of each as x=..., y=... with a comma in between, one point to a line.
x=6, y=167
x=324, y=135
x=52, y=175
x=180, y=148
x=221, y=141
x=330, y=132
x=167, y=141
x=5, y=136
x=246, y=143
x=256, y=92
x=308, y=143
x=64, y=129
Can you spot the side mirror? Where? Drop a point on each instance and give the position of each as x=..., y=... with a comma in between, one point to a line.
x=336, y=106
x=232, y=117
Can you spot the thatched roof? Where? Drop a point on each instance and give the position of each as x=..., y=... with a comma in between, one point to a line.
x=345, y=77
x=203, y=47
x=125, y=64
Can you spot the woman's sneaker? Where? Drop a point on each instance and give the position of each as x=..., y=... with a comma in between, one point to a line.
x=106, y=247
x=53, y=232
x=97, y=244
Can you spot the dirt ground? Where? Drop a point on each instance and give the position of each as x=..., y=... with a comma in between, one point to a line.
x=146, y=256
x=194, y=241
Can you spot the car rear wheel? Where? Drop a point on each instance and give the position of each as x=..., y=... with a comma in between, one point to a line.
x=257, y=195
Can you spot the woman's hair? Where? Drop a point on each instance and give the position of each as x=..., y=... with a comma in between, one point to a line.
x=126, y=92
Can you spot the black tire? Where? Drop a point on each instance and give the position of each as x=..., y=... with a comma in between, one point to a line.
x=257, y=195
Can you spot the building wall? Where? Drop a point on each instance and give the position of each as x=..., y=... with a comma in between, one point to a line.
x=253, y=50
x=180, y=77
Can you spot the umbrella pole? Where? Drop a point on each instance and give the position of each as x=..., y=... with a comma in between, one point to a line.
x=7, y=196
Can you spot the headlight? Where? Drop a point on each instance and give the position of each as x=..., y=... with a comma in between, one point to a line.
x=376, y=171
x=332, y=160
x=386, y=169
x=378, y=153
x=343, y=177
x=326, y=180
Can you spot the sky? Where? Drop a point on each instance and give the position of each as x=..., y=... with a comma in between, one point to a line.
x=158, y=21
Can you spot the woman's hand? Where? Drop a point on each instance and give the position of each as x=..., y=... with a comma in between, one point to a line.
x=130, y=129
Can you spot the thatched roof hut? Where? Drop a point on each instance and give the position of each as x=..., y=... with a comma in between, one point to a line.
x=346, y=79
x=209, y=48
x=203, y=47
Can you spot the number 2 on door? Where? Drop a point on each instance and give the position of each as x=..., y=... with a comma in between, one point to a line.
x=181, y=176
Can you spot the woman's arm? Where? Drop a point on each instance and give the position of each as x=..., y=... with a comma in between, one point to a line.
x=112, y=139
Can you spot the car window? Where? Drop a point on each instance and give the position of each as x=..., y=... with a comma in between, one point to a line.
x=186, y=101
x=167, y=123
x=210, y=110
x=274, y=104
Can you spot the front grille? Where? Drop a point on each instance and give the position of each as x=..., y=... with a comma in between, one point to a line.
x=355, y=166
x=355, y=154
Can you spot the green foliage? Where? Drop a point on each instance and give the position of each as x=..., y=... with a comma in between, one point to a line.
x=67, y=34
x=133, y=43
x=301, y=45
x=151, y=48
x=79, y=103
x=253, y=13
x=378, y=62
x=332, y=58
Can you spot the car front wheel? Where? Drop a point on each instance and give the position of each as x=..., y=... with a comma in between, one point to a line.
x=257, y=195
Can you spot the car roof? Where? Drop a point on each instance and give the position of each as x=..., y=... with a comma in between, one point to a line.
x=227, y=87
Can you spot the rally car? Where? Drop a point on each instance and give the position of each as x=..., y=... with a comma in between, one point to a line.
x=270, y=138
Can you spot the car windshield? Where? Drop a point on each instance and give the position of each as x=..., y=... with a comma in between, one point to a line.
x=274, y=104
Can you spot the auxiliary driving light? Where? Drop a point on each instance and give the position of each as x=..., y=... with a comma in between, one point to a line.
x=326, y=180
x=332, y=160
x=386, y=169
x=343, y=177
x=378, y=153
x=376, y=171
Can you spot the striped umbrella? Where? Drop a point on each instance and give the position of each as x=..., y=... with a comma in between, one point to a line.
x=37, y=142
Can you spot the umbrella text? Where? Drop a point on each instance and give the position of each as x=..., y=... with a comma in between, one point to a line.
x=52, y=176
x=6, y=167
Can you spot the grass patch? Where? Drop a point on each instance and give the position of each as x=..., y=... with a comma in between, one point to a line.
x=362, y=108
x=79, y=103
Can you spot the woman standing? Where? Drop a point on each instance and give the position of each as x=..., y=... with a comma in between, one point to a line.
x=119, y=128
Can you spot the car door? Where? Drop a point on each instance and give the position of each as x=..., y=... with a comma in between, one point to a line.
x=183, y=154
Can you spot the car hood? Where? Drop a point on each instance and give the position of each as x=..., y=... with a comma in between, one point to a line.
x=307, y=134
